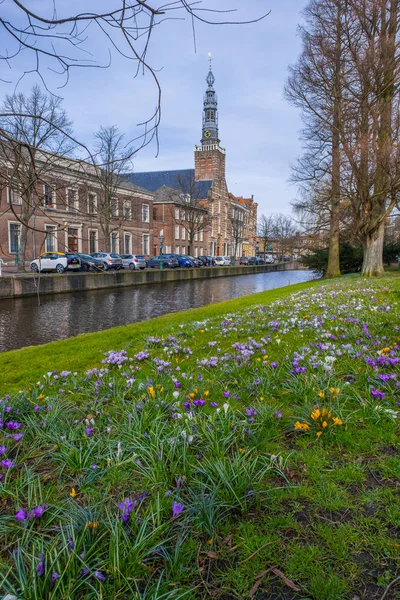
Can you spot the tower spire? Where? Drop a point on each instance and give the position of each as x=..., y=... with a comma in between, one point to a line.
x=210, y=110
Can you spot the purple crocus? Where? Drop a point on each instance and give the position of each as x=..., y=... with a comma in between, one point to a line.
x=176, y=509
x=99, y=575
x=21, y=515
x=377, y=394
x=18, y=437
x=13, y=425
x=89, y=431
x=3, y=450
x=278, y=414
x=199, y=402
x=54, y=577
x=274, y=365
x=40, y=567
x=227, y=394
x=126, y=507
x=7, y=463
x=186, y=405
x=38, y=511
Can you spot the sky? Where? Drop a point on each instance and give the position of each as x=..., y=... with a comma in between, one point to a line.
x=257, y=127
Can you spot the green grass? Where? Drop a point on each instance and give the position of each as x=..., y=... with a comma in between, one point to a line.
x=273, y=420
x=21, y=367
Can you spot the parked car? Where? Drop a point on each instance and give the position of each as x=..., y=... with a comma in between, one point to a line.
x=196, y=261
x=222, y=261
x=269, y=259
x=256, y=260
x=110, y=260
x=183, y=261
x=243, y=260
x=73, y=261
x=89, y=262
x=133, y=261
x=168, y=261
x=208, y=261
x=50, y=261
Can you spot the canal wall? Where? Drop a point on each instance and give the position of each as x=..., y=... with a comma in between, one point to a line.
x=20, y=285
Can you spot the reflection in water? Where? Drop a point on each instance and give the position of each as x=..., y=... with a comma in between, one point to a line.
x=23, y=323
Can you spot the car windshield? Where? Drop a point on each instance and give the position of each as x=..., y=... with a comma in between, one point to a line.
x=139, y=256
x=86, y=256
x=126, y=256
x=115, y=256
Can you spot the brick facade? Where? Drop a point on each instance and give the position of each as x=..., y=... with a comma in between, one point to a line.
x=66, y=214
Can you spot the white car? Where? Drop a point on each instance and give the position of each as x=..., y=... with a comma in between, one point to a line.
x=50, y=261
x=222, y=261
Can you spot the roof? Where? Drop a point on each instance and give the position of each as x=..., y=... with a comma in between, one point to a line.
x=179, y=179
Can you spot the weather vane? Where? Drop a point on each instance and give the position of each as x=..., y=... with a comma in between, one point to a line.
x=210, y=57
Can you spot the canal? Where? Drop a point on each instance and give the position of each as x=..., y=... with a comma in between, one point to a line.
x=25, y=323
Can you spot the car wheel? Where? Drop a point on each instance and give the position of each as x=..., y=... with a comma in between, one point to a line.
x=34, y=268
x=84, y=268
x=131, y=266
x=60, y=268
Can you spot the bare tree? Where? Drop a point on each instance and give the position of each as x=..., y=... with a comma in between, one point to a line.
x=315, y=85
x=283, y=232
x=37, y=127
x=112, y=159
x=265, y=230
x=189, y=209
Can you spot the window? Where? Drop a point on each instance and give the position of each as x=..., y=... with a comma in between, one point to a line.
x=114, y=207
x=183, y=217
x=196, y=236
x=183, y=249
x=92, y=241
x=127, y=243
x=114, y=242
x=201, y=235
x=177, y=232
x=183, y=233
x=15, y=192
x=145, y=213
x=167, y=249
x=73, y=239
x=145, y=243
x=51, y=238
x=14, y=231
x=92, y=203
x=49, y=200
x=177, y=214
x=196, y=252
x=127, y=212
x=72, y=199
x=201, y=251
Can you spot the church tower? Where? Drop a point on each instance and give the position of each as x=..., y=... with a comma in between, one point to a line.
x=209, y=158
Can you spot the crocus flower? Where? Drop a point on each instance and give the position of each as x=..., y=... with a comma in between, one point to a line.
x=21, y=515
x=18, y=437
x=99, y=575
x=278, y=414
x=199, y=402
x=38, y=511
x=3, y=450
x=7, y=463
x=40, y=567
x=89, y=431
x=13, y=425
x=54, y=577
x=176, y=509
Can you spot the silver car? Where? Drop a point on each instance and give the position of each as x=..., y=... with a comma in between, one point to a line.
x=110, y=260
x=133, y=261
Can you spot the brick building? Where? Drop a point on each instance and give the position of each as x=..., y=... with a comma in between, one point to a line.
x=230, y=224
x=67, y=211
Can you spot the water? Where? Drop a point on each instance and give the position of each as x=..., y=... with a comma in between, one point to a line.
x=24, y=323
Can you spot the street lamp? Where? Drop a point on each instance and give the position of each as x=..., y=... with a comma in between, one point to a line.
x=161, y=244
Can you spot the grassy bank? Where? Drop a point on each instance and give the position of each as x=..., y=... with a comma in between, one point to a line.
x=21, y=367
x=244, y=450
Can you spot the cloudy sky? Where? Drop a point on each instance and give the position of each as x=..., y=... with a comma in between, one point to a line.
x=257, y=127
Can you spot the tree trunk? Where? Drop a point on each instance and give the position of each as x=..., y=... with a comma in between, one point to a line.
x=373, y=253
x=333, y=269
